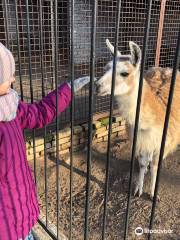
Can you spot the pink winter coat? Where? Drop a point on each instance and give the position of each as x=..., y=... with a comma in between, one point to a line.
x=18, y=202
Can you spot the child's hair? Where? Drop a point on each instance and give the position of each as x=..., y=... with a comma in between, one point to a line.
x=7, y=64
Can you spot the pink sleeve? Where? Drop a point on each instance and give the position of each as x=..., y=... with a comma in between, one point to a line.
x=39, y=114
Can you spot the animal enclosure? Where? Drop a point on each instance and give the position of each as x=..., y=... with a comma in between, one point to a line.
x=14, y=19
x=55, y=41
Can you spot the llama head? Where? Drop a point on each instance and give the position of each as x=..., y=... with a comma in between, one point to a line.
x=127, y=72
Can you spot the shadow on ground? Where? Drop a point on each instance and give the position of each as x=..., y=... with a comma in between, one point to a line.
x=167, y=212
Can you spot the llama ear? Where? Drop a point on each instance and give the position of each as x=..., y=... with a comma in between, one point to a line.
x=135, y=53
x=111, y=48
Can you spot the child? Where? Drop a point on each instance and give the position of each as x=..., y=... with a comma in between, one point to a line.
x=18, y=202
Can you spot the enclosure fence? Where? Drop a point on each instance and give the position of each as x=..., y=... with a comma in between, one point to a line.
x=54, y=41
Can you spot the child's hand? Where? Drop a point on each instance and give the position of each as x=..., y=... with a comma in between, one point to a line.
x=80, y=83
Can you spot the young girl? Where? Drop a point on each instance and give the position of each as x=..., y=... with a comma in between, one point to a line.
x=18, y=202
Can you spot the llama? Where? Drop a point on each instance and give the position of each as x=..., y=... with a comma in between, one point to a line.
x=153, y=108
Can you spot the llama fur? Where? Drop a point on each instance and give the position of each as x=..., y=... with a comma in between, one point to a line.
x=156, y=85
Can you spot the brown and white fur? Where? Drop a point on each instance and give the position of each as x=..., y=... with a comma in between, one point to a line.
x=153, y=107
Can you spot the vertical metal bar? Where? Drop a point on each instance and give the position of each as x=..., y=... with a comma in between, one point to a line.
x=29, y=49
x=145, y=40
x=7, y=27
x=160, y=31
x=43, y=94
x=20, y=24
x=41, y=46
x=47, y=230
x=6, y=22
x=52, y=42
x=30, y=78
x=92, y=70
x=110, y=118
x=18, y=47
x=72, y=107
x=57, y=120
x=163, y=142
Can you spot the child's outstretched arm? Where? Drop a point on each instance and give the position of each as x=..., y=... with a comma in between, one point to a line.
x=39, y=114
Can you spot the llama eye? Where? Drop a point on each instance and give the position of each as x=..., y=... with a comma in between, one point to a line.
x=124, y=74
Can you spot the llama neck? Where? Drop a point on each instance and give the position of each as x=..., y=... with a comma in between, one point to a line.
x=150, y=106
x=127, y=105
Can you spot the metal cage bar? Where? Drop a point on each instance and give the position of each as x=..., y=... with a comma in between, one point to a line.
x=110, y=117
x=6, y=21
x=145, y=41
x=43, y=94
x=92, y=69
x=165, y=129
x=30, y=78
x=18, y=47
x=57, y=106
x=72, y=109
x=48, y=231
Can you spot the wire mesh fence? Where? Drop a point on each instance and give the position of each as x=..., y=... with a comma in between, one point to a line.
x=132, y=19
x=39, y=33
